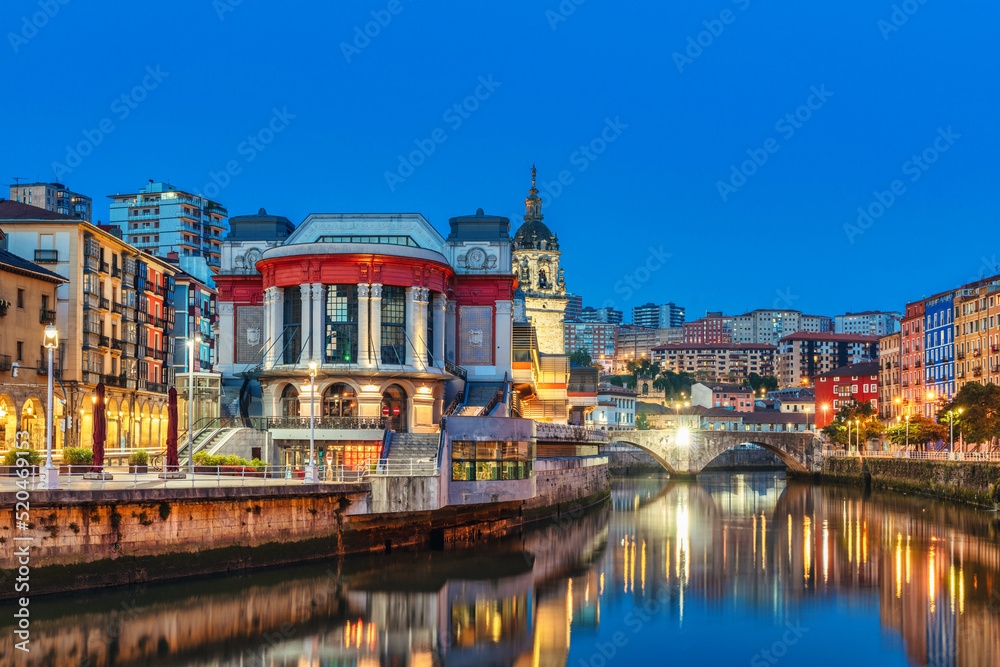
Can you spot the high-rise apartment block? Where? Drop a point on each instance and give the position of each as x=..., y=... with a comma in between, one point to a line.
x=767, y=327
x=869, y=323
x=53, y=197
x=654, y=316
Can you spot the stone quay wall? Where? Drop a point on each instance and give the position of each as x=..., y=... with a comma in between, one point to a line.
x=107, y=538
x=970, y=482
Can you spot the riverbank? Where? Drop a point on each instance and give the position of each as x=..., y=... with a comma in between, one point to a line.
x=971, y=482
x=96, y=539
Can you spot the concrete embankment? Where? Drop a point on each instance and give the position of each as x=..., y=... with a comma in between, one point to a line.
x=93, y=539
x=970, y=482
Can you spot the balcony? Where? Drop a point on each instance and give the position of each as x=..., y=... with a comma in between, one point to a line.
x=976, y=352
x=105, y=304
x=5, y=362
x=961, y=355
x=117, y=308
x=46, y=256
x=961, y=375
x=161, y=323
x=47, y=316
x=115, y=271
x=977, y=372
x=104, y=267
x=157, y=387
x=118, y=344
x=113, y=380
x=103, y=341
x=906, y=367
x=326, y=422
x=917, y=364
x=994, y=348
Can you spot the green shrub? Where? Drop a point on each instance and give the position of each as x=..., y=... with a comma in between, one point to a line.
x=75, y=456
x=995, y=491
x=33, y=456
x=140, y=457
x=258, y=464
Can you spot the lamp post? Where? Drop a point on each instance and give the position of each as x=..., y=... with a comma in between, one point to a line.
x=907, y=432
x=848, y=435
x=857, y=430
x=310, y=472
x=50, y=478
x=192, y=342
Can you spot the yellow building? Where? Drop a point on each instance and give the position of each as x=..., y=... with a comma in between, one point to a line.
x=114, y=318
x=27, y=298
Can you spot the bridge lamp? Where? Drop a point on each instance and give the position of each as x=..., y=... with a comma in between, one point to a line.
x=51, y=473
x=684, y=437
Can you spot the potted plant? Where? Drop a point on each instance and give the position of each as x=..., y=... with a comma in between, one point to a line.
x=10, y=467
x=76, y=461
x=138, y=461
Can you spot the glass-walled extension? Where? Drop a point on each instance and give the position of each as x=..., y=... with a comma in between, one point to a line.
x=207, y=396
x=491, y=460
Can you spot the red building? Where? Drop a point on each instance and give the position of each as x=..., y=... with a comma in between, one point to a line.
x=841, y=386
x=713, y=328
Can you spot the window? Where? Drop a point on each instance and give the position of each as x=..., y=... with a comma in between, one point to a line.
x=387, y=240
x=393, y=325
x=491, y=460
x=341, y=335
x=293, y=324
x=20, y=298
x=20, y=350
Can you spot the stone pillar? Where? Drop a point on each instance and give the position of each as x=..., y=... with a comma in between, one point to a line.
x=364, y=352
x=412, y=294
x=420, y=341
x=375, y=323
x=274, y=319
x=318, y=336
x=451, y=326
x=504, y=327
x=440, y=304
x=305, y=330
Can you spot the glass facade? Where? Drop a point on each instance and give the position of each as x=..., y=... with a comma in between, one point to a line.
x=293, y=325
x=393, y=325
x=491, y=460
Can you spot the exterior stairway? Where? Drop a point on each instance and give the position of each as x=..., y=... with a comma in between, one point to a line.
x=414, y=446
x=480, y=393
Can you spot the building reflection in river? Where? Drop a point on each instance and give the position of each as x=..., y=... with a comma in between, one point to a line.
x=691, y=553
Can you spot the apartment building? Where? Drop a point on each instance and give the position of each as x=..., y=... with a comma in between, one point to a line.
x=713, y=328
x=847, y=385
x=869, y=323
x=596, y=338
x=769, y=326
x=888, y=378
x=606, y=315
x=114, y=320
x=717, y=362
x=160, y=218
x=653, y=316
x=804, y=355
x=54, y=197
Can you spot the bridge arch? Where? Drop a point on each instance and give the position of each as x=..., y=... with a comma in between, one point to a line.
x=688, y=451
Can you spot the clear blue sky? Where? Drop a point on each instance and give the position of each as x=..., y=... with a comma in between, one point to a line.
x=557, y=81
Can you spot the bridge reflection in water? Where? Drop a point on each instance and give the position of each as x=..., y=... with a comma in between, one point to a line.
x=884, y=579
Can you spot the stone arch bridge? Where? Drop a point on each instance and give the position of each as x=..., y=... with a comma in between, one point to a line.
x=688, y=451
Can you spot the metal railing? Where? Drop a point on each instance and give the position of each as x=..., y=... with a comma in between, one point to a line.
x=46, y=256
x=495, y=401
x=401, y=468
x=455, y=369
x=547, y=431
x=453, y=405
x=925, y=456
x=47, y=316
x=325, y=421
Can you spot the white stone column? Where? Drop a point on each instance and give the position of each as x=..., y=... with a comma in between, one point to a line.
x=411, y=325
x=318, y=323
x=440, y=304
x=364, y=352
x=274, y=316
x=375, y=323
x=451, y=328
x=504, y=327
x=420, y=341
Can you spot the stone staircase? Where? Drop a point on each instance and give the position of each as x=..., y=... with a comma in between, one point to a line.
x=414, y=446
x=480, y=393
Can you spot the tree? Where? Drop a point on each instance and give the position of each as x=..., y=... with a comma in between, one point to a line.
x=855, y=420
x=921, y=432
x=979, y=419
x=642, y=422
x=581, y=358
x=758, y=382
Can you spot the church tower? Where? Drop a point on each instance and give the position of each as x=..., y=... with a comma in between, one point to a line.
x=540, y=279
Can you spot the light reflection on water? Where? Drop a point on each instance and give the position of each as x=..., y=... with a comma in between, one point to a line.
x=735, y=569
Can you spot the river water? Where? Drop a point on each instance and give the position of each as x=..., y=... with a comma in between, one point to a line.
x=736, y=569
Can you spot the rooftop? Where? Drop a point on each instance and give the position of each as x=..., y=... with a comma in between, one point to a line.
x=862, y=368
x=15, y=210
x=20, y=265
x=829, y=337
x=763, y=347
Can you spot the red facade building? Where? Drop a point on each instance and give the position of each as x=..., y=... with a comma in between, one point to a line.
x=713, y=328
x=844, y=385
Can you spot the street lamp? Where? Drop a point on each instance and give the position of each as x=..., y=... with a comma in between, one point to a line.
x=50, y=478
x=310, y=476
x=857, y=428
x=192, y=342
x=907, y=432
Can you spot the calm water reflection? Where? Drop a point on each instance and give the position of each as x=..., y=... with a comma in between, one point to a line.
x=736, y=569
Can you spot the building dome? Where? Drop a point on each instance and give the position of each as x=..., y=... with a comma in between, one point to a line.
x=532, y=233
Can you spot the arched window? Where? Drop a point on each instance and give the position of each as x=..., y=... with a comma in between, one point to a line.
x=289, y=401
x=341, y=333
x=339, y=400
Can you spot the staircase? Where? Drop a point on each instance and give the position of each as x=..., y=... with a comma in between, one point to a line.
x=414, y=446
x=205, y=439
x=480, y=393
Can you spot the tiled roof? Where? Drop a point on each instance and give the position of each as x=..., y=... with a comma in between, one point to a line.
x=22, y=265
x=831, y=337
x=728, y=388
x=716, y=346
x=862, y=368
x=15, y=210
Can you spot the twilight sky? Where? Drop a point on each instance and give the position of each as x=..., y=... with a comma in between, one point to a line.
x=712, y=152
